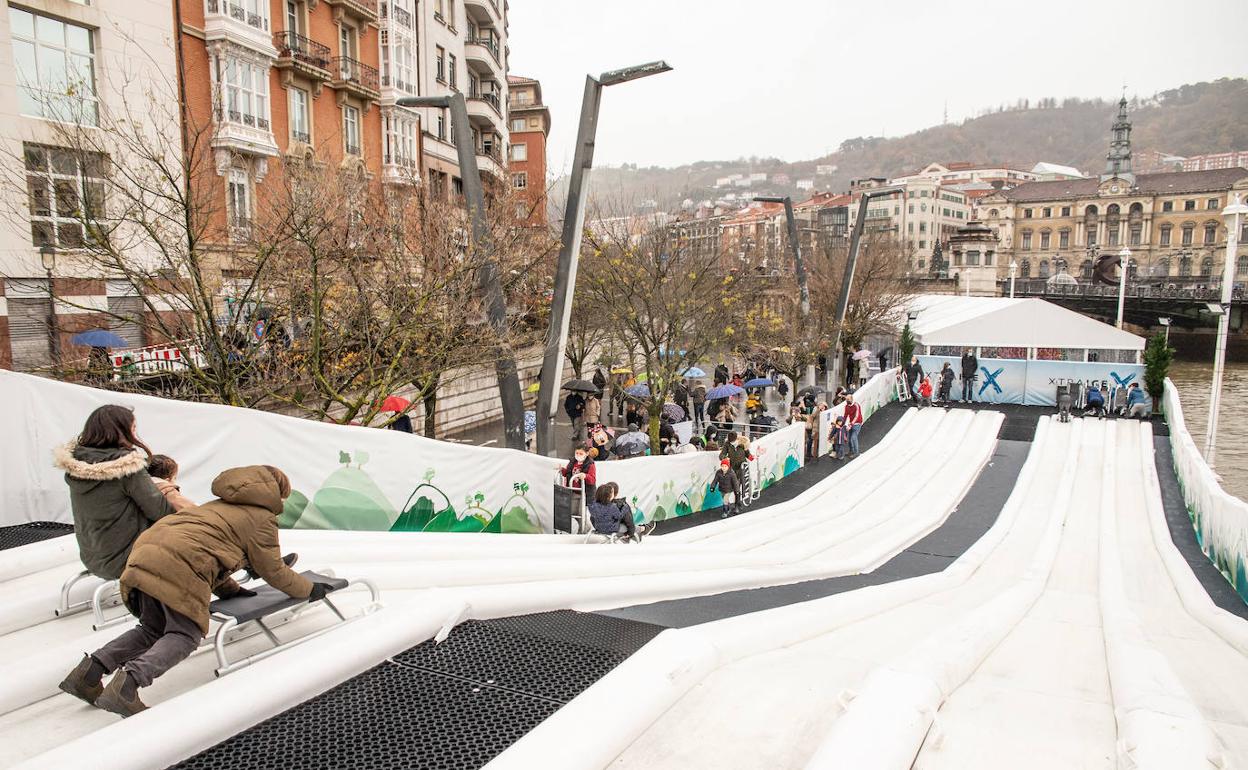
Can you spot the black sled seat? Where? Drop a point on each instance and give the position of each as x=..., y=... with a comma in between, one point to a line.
x=244, y=611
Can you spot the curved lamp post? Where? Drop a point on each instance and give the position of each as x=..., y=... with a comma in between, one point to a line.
x=1233, y=213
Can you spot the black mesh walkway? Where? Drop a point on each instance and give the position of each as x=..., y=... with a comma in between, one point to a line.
x=454, y=705
x=25, y=534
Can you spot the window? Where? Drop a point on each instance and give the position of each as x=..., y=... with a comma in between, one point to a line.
x=1027, y=240
x=1165, y=235
x=1111, y=235
x=1189, y=205
x=351, y=129
x=1187, y=235
x=1044, y=239
x=1044, y=268
x=441, y=124
x=441, y=59
x=1135, y=235
x=1212, y=204
x=1241, y=266
x=244, y=90
x=922, y=227
x=910, y=227
x=1091, y=236
x=911, y=208
x=55, y=63
x=294, y=17
x=1085, y=269
x=520, y=181
x=347, y=42
x=1048, y=212
x=457, y=186
x=1185, y=266
x=453, y=70
x=1167, y=206
x=400, y=133
x=1063, y=239
x=1211, y=234
x=1206, y=267
x=1065, y=211
x=520, y=152
x=300, y=127
x=517, y=124
x=1024, y=268
x=1026, y=213
x=65, y=190
x=238, y=202
x=922, y=245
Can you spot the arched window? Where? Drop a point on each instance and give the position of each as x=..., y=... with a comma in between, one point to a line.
x=993, y=213
x=1206, y=267
x=1162, y=269
x=1090, y=213
x=1085, y=269
x=1136, y=211
x=1185, y=266
x=1024, y=267
x=1211, y=233
x=1111, y=225
x=1044, y=268
x=1188, y=229
x=1165, y=235
x=1060, y=265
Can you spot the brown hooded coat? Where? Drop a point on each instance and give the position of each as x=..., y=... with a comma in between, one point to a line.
x=180, y=558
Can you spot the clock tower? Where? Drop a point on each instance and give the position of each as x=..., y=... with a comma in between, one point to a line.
x=1118, y=161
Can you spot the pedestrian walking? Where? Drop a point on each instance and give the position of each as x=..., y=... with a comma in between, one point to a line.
x=970, y=365
x=853, y=421
x=680, y=394
x=946, y=382
x=593, y=411
x=574, y=408
x=698, y=396
x=729, y=486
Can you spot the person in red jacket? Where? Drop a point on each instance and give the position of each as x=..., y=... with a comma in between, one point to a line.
x=853, y=421
x=579, y=472
x=925, y=392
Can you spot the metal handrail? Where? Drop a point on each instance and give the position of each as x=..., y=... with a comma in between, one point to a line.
x=355, y=71
x=301, y=48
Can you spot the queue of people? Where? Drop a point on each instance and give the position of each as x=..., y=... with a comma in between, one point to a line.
x=133, y=524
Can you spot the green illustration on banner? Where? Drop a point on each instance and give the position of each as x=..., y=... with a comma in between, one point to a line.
x=518, y=514
x=347, y=499
x=425, y=503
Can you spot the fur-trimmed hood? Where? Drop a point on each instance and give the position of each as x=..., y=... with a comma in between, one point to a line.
x=91, y=464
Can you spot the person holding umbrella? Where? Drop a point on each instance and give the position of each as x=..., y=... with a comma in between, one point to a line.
x=680, y=394
x=574, y=405
x=633, y=443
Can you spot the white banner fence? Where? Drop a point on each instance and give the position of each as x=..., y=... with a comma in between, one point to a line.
x=1219, y=518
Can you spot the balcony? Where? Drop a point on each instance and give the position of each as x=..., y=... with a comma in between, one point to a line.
x=356, y=77
x=396, y=15
x=364, y=10
x=485, y=107
x=482, y=54
x=302, y=54
x=230, y=21
x=490, y=162
x=393, y=87
x=243, y=133
x=399, y=169
x=483, y=11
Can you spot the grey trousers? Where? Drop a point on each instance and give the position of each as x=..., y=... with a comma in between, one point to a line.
x=162, y=640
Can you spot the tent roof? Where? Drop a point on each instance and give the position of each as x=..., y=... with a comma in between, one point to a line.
x=1000, y=321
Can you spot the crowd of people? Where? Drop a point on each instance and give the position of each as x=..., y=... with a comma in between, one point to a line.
x=133, y=524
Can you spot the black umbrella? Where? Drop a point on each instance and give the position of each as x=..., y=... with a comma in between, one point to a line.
x=580, y=386
x=816, y=389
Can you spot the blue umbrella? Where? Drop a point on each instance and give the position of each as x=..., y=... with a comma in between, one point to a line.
x=530, y=422
x=759, y=382
x=724, y=391
x=694, y=371
x=98, y=338
x=641, y=390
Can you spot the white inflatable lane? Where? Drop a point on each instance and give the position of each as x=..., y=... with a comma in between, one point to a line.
x=1195, y=679
x=774, y=708
x=510, y=575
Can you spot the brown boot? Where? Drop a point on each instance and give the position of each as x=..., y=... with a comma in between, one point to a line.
x=84, y=681
x=121, y=696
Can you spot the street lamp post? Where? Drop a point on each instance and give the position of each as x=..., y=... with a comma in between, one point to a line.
x=1013, y=274
x=570, y=247
x=1233, y=214
x=491, y=288
x=1124, y=258
x=1165, y=321
x=799, y=269
x=47, y=255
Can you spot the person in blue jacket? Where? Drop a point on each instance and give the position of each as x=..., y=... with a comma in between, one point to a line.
x=1095, y=401
x=1137, y=404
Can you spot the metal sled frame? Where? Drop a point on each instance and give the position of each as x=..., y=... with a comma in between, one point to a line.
x=231, y=628
x=108, y=592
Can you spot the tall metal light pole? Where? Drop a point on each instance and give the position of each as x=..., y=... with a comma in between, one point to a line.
x=47, y=255
x=842, y=301
x=799, y=269
x=1165, y=321
x=570, y=247
x=490, y=286
x=1013, y=273
x=1124, y=259
x=1233, y=214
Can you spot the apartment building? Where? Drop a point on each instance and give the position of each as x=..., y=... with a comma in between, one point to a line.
x=66, y=64
x=920, y=213
x=961, y=172
x=529, y=125
x=462, y=47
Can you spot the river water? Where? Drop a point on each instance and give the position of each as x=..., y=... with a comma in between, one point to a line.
x=1193, y=379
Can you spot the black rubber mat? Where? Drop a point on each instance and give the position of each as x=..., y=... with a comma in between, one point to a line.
x=452, y=705
x=25, y=534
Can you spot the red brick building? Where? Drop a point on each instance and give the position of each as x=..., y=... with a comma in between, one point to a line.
x=529, y=124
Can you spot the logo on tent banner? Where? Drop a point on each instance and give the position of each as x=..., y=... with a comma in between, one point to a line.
x=990, y=379
x=1122, y=383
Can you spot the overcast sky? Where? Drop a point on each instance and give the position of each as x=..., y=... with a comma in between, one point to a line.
x=786, y=78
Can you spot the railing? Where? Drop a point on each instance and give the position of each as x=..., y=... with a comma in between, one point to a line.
x=400, y=15
x=292, y=45
x=239, y=13
x=399, y=160
x=490, y=44
x=355, y=72
x=489, y=98
x=1181, y=289
x=390, y=81
x=353, y=148
x=301, y=136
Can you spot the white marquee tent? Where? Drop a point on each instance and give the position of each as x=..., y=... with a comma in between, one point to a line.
x=1026, y=347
